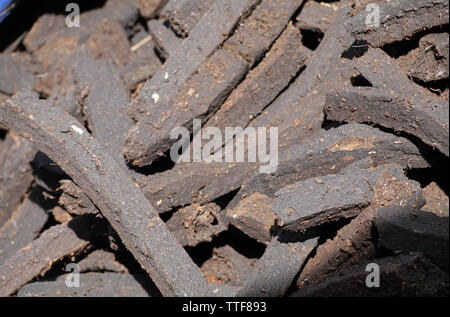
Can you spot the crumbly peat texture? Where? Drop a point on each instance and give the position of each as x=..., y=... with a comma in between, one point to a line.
x=87, y=117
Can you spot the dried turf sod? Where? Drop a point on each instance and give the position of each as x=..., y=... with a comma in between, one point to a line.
x=354, y=243
x=254, y=216
x=149, y=8
x=105, y=102
x=427, y=121
x=16, y=173
x=92, y=285
x=24, y=225
x=264, y=83
x=37, y=257
x=316, y=16
x=180, y=98
x=437, y=200
x=329, y=152
x=183, y=15
x=267, y=278
x=429, y=62
x=109, y=40
x=309, y=204
x=399, y=19
x=165, y=41
x=413, y=230
x=74, y=200
x=50, y=28
x=107, y=184
x=14, y=76
x=403, y=107
x=402, y=275
x=101, y=261
x=227, y=266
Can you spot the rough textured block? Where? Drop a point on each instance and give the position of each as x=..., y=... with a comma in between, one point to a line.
x=227, y=266
x=254, y=216
x=105, y=101
x=429, y=62
x=275, y=271
x=109, y=41
x=253, y=37
x=50, y=28
x=166, y=42
x=149, y=8
x=74, y=200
